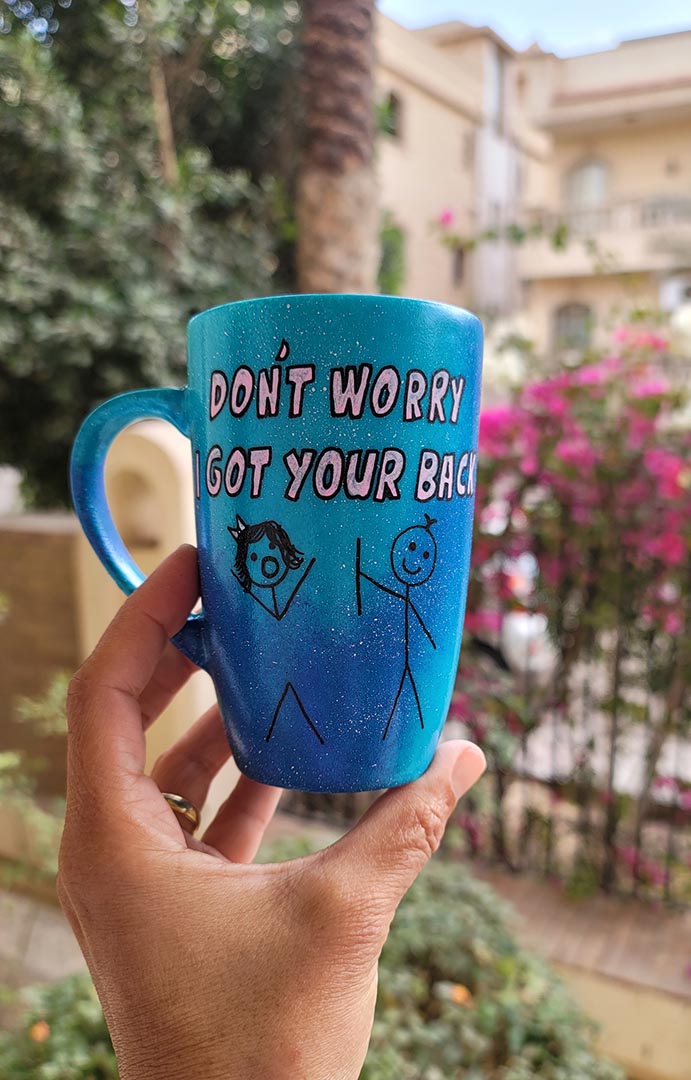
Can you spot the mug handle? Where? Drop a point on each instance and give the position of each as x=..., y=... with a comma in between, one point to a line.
x=87, y=464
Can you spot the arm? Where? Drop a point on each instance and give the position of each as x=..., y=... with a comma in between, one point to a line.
x=297, y=586
x=360, y=573
x=383, y=588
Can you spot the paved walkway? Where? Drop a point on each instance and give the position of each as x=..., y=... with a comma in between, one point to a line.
x=36, y=942
x=640, y=944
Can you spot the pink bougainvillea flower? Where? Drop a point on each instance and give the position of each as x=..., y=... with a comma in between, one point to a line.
x=498, y=427
x=685, y=800
x=668, y=547
x=652, y=386
x=446, y=218
x=667, y=468
x=477, y=622
x=597, y=374
x=672, y=622
x=648, y=339
x=577, y=452
x=549, y=395
x=640, y=428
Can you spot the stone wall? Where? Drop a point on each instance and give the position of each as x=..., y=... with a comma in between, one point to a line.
x=39, y=632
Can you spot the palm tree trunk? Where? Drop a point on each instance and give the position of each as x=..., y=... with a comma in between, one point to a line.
x=337, y=216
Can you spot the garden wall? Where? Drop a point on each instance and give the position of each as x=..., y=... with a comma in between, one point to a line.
x=39, y=634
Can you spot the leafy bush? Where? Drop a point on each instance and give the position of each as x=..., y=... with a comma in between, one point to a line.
x=41, y=820
x=109, y=238
x=63, y=1036
x=458, y=999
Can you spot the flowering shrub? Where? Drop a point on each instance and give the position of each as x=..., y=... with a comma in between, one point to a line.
x=586, y=474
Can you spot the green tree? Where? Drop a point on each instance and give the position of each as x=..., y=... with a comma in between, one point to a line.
x=128, y=202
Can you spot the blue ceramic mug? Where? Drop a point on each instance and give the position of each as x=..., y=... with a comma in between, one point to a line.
x=334, y=452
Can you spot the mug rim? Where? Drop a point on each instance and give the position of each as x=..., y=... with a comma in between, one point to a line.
x=449, y=309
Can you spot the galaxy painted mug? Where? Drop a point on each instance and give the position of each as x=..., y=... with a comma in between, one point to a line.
x=334, y=452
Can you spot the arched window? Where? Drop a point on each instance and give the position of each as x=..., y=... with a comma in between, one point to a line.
x=586, y=193
x=572, y=327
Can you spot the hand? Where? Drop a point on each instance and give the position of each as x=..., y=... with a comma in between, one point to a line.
x=206, y=966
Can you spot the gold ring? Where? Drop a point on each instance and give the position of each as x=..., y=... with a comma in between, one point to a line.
x=183, y=808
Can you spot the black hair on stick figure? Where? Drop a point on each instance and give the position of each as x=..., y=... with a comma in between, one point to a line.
x=413, y=558
x=265, y=557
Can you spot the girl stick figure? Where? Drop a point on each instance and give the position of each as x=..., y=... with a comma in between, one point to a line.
x=413, y=558
x=265, y=556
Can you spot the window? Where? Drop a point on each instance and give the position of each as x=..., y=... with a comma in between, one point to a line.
x=586, y=194
x=518, y=186
x=468, y=149
x=572, y=326
x=496, y=81
x=458, y=266
x=390, y=115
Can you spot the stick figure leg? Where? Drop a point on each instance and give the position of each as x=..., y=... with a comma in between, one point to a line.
x=303, y=710
x=306, y=715
x=417, y=699
x=395, y=702
x=276, y=712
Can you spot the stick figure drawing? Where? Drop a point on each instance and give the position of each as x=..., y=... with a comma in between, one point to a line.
x=413, y=558
x=266, y=558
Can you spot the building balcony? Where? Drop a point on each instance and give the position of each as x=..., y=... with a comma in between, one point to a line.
x=643, y=236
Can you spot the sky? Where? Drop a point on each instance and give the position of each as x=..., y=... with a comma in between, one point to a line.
x=562, y=27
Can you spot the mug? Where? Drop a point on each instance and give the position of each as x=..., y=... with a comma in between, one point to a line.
x=334, y=455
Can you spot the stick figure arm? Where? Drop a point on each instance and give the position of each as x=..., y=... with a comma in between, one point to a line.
x=254, y=596
x=418, y=616
x=295, y=589
x=384, y=588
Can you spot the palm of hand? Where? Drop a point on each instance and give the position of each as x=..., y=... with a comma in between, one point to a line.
x=206, y=965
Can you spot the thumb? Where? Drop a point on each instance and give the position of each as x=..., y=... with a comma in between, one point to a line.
x=389, y=846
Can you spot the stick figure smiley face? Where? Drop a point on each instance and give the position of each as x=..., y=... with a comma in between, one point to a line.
x=414, y=553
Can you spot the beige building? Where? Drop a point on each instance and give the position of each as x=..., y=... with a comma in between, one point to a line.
x=597, y=147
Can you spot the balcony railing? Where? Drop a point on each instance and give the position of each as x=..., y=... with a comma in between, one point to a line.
x=656, y=211
x=641, y=235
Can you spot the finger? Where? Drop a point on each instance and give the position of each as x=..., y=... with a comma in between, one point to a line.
x=387, y=849
x=190, y=764
x=171, y=674
x=239, y=826
x=106, y=738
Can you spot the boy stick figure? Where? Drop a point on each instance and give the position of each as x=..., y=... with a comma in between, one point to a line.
x=413, y=558
x=264, y=558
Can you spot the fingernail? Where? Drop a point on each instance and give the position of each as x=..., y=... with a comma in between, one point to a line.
x=468, y=768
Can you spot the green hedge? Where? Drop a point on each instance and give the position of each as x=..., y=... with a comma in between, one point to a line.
x=458, y=999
